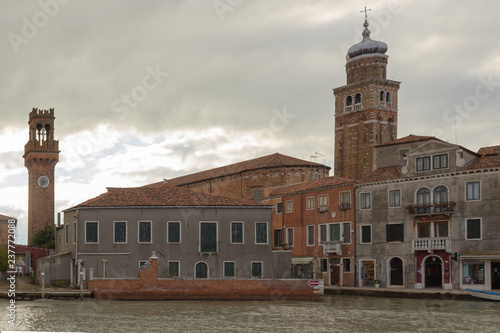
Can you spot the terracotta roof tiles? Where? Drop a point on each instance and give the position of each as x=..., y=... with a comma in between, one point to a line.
x=493, y=150
x=311, y=185
x=408, y=139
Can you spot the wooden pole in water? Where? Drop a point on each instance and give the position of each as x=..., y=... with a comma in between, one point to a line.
x=43, y=284
x=82, y=275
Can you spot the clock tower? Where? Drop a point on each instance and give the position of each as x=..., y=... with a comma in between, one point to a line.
x=41, y=155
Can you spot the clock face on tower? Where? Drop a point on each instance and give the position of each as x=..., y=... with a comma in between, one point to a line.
x=43, y=181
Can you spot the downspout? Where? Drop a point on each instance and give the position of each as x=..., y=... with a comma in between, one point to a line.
x=76, y=246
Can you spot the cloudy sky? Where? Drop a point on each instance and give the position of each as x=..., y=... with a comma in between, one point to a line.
x=145, y=90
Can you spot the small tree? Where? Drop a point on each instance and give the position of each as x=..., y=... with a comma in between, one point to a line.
x=45, y=238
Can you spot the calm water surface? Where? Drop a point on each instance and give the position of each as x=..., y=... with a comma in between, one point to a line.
x=333, y=314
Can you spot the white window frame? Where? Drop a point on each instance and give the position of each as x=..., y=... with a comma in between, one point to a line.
x=66, y=233
x=421, y=157
x=389, y=198
x=361, y=233
x=216, y=237
x=242, y=232
x=327, y=200
x=139, y=232
x=178, y=268
x=480, y=229
x=180, y=232
x=289, y=203
x=267, y=233
x=308, y=233
x=293, y=237
x=361, y=201
x=308, y=200
x=224, y=269
x=340, y=196
x=447, y=161
x=142, y=261
x=126, y=232
x=320, y=238
x=261, y=269
x=480, y=192
x=342, y=234
x=75, y=233
x=86, y=232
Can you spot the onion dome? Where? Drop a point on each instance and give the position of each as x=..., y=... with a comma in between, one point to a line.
x=367, y=45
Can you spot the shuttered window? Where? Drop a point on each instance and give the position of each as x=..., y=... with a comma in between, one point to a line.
x=395, y=232
x=174, y=232
x=208, y=237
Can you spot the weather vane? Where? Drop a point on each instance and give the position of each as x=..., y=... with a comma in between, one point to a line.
x=366, y=14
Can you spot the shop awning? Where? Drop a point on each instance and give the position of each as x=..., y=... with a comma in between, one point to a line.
x=301, y=260
x=479, y=257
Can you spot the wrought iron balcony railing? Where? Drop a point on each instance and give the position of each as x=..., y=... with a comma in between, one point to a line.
x=431, y=209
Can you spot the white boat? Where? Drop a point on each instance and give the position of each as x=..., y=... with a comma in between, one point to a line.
x=489, y=295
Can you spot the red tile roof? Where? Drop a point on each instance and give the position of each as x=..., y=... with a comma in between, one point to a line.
x=484, y=162
x=269, y=161
x=408, y=139
x=161, y=196
x=493, y=150
x=311, y=185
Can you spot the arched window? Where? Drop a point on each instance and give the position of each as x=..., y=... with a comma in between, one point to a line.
x=201, y=270
x=440, y=198
x=382, y=96
x=357, y=98
x=388, y=97
x=424, y=200
x=348, y=100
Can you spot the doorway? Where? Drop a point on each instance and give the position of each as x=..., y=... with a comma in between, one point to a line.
x=433, y=272
x=367, y=273
x=495, y=275
x=396, y=267
x=335, y=271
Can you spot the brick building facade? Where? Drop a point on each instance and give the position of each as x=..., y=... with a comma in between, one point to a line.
x=41, y=154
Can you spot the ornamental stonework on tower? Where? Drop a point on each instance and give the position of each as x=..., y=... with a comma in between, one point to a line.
x=41, y=154
x=365, y=108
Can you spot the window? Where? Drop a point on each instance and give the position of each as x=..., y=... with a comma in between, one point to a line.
x=120, y=232
x=91, y=232
x=322, y=234
x=394, y=198
x=365, y=200
x=424, y=230
x=346, y=264
x=345, y=197
x=201, y=270
x=208, y=237
x=423, y=200
x=395, y=232
x=289, y=206
x=334, y=232
x=173, y=232
x=323, y=201
x=289, y=236
x=261, y=233
x=382, y=96
x=310, y=203
x=388, y=97
x=323, y=265
x=346, y=230
x=66, y=233
x=440, y=198
x=173, y=269
x=279, y=207
x=143, y=263
x=310, y=235
x=473, y=229
x=441, y=229
x=256, y=269
x=440, y=161
x=423, y=163
x=473, y=191
x=74, y=233
x=473, y=272
x=229, y=270
x=357, y=98
x=366, y=234
x=278, y=237
x=145, y=231
x=236, y=232
x=348, y=100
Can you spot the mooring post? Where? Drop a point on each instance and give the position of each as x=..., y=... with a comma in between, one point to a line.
x=43, y=284
x=82, y=276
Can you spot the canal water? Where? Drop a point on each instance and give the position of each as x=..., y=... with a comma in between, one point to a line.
x=333, y=314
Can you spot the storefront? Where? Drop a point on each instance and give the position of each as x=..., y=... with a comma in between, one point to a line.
x=480, y=271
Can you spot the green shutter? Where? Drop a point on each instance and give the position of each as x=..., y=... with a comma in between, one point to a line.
x=334, y=232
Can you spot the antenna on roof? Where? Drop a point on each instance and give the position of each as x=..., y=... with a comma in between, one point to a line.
x=315, y=156
x=456, y=129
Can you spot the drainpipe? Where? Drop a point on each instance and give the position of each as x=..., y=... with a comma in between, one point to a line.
x=76, y=246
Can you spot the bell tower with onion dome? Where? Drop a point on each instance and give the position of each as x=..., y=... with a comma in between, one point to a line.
x=365, y=108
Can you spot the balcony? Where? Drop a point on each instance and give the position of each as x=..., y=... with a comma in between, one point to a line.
x=345, y=206
x=428, y=244
x=322, y=209
x=429, y=209
x=332, y=248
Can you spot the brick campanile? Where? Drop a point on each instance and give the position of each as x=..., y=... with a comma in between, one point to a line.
x=365, y=109
x=41, y=154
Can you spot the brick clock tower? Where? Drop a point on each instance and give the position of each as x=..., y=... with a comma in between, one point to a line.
x=41, y=155
x=365, y=108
